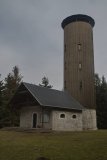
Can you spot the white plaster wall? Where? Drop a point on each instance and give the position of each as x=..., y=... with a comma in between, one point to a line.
x=67, y=123
x=89, y=119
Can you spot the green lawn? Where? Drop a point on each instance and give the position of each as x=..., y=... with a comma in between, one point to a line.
x=90, y=145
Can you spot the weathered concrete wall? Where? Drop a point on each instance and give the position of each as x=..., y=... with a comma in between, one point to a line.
x=68, y=123
x=89, y=119
x=26, y=117
x=85, y=120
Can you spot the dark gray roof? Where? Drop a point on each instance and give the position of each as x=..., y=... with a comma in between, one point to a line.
x=52, y=98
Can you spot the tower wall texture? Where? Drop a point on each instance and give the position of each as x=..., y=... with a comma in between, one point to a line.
x=79, y=64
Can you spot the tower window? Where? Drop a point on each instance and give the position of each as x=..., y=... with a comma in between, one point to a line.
x=65, y=65
x=79, y=46
x=80, y=66
x=80, y=85
x=64, y=84
x=65, y=48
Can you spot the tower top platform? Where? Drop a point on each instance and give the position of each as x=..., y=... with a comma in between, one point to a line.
x=78, y=17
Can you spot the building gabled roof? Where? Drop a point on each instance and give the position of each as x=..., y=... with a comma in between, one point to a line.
x=52, y=98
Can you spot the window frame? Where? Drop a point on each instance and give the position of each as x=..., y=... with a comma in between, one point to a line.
x=79, y=46
x=46, y=117
x=80, y=66
x=74, y=116
x=62, y=117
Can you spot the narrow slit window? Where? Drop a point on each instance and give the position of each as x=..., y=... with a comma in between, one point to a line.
x=80, y=66
x=65, y=84
x=65, y=48
x=80, y=85
x=79, y=46
x=65, y=65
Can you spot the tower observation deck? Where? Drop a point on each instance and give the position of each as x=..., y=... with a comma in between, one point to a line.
x=78, y=17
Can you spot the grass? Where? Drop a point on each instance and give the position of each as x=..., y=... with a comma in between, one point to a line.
x=89, y=145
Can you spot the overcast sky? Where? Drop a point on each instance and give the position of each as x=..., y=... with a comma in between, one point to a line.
x=31, y=37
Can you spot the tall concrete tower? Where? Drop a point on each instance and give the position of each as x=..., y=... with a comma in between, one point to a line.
x=79, y=64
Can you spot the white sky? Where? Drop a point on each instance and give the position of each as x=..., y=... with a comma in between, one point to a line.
x=31, y=37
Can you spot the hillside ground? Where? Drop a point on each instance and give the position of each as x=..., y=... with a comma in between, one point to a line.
x=88, y=145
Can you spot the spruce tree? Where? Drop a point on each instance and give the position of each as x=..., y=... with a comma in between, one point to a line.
x=11, y=83
x=45, y=83
x=101, y=101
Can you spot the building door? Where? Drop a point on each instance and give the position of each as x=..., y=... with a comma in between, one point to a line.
x=34, y=120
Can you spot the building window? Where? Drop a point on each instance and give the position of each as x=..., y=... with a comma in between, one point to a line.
x=80, y=66
x=46, y=117
x=74, y=116
x=62, y=115
x=79, y=46
x=80, y=85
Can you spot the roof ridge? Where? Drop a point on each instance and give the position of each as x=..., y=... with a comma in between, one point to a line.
x=43, y=87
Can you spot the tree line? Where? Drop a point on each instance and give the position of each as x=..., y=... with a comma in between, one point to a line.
x=101, y=101
x=8, y=86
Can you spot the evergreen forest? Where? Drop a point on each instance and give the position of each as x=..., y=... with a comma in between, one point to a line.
x=8, y=86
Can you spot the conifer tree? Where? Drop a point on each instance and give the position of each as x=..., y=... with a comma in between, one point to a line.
x=1, y=102
x=101, y=101
x=1, y=90
x=45, y=83
x=11, y=83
